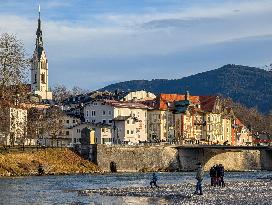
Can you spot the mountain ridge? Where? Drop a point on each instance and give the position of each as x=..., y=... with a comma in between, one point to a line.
x=250, y=86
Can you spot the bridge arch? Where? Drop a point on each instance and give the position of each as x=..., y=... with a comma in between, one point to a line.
x=233, y=158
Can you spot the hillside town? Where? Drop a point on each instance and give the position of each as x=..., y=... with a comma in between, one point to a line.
x=127, y=118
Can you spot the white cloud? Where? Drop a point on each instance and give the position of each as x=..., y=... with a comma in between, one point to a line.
x=126, y=36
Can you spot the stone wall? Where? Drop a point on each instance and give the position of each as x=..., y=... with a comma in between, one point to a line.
x=166, y=158
x=132, y=159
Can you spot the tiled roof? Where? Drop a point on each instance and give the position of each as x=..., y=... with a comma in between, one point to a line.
x=165, y=101
x=207, y=102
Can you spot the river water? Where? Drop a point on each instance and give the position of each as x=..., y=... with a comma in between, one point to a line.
x=64, y=189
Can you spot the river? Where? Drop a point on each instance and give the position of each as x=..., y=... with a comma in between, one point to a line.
x=64, y=189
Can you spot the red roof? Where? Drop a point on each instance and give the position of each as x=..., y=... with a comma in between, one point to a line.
x=207, y=102
x=165, y=101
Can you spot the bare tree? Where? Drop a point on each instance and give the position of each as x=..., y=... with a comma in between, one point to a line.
x=35, y=124
x=54, y=123
x=250, y=117
x=13, y=67
x=77, y=91
x=60, y=93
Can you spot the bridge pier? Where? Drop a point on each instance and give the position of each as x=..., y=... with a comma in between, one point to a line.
x=188, y=158
x=266, y=159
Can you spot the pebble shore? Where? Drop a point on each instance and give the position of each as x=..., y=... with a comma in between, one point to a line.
x=241, y=192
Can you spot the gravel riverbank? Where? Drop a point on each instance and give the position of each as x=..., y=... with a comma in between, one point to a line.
x=257, y=191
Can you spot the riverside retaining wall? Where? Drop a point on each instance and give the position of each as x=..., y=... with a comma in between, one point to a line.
x=167, y=158
x=132, y=159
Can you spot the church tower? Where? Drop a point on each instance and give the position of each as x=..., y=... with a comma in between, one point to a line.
x=39, y=67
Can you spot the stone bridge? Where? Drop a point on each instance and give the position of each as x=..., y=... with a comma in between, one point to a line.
x=234, y=158
x=182, y=158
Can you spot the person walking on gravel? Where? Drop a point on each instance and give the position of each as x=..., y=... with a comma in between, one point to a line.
x=154, y=180
x=199, y=178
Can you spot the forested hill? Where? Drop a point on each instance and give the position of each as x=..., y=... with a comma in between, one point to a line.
x=248, y=85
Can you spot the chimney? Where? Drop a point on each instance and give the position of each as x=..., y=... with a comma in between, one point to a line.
x=187, y=95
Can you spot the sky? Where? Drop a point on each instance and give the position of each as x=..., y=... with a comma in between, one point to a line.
x=93, y=43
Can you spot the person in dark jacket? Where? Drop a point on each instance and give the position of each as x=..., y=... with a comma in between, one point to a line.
x=212, y=175
x=221, y=175
x=199, y=178
x=217, y=175
x=154, y=180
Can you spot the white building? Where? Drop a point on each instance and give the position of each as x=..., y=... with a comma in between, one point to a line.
x=138, y=96
x=14, y=126
x=128, y=120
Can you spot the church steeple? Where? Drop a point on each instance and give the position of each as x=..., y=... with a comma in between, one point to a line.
x=39, y=68
x=39, y=40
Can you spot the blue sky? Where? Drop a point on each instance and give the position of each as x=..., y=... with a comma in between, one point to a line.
x=92, y=43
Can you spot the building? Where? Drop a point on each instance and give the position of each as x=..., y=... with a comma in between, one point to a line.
x=140, y=95
x=14, y=127
x=64, y=133
x=198, y=119
x=128, y=120
x=100, y=133
x=241, y=134
x=189, y=121
x=160, y=125
x=39, y=68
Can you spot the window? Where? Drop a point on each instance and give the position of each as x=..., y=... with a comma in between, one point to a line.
x=93, y=113
x=128, y=132
x=131, y=132
x=74, y=140
x=67, y=132
x=103, y=129
x=67, y=121
x=87, y=113
x=93, y=121
x=95, y=103
x=35, y=78
x=104, y=121
x=110, y=121
x=109, y=112
x=74, y=121
x=43, y=78
x=127, y=121
x=133, y=121
x=103, y=112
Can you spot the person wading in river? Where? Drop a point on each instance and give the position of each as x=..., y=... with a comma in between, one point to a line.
x=199, y=178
